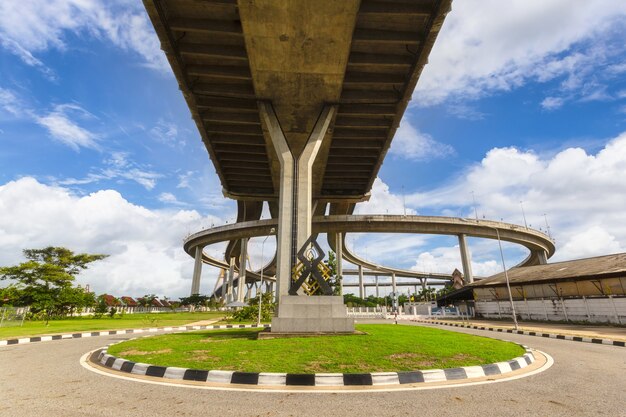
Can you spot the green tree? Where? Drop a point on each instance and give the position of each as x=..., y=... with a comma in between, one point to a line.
x=101, y=307
x=146, y=300
x=251, y=311
x=448, y=288
x=195, y=300
x=45, y=280
x=352, y=300
x=426, y=294
x=335, y=280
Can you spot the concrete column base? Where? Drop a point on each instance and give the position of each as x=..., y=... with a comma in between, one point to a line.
x=317, y=314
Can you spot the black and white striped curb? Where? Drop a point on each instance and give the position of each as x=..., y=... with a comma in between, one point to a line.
x=125, y=331
x=530, y=333
x=317, y=380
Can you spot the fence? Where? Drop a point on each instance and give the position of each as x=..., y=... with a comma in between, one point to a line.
x=367, y=312
x=595, y=310
x=12, y=316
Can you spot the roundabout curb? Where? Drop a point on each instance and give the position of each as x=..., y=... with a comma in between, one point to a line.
x=121, y=365
x=609, y=342
x=79, y=335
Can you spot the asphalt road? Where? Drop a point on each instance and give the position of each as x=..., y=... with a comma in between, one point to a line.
x=46, y=379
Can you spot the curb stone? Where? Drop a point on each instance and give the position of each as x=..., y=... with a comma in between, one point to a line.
x=318, y=379
x=598, y=341
x=34, y=339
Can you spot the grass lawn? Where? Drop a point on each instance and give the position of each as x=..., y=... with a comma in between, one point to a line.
x=385, y=347
x=127, y=321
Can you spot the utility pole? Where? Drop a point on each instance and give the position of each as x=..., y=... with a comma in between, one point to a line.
x=403, y=201
x=474, y=199
x=545, y=216
x=521, y=203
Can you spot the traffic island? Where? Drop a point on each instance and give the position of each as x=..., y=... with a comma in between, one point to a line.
x=379, y=365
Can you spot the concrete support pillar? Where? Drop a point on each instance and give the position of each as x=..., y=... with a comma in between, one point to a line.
x=543, y=258
x=220, y=278
x=295, y=193
x=393, y=282
x=231, y=281
x=423, y=283
x=377, y=293
x=197, y=272
x=361, y=286
x=339, y=255
x=466, y=260
x=242, y=270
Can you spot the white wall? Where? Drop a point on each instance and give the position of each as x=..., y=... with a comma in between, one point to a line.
x=595, y=310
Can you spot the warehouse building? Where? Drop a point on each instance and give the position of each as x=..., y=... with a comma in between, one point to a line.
x=588, y=290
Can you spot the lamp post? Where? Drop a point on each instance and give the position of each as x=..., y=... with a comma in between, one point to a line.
x=474, y=200
x=506, y=275
x=258, y=321
x=521, y=204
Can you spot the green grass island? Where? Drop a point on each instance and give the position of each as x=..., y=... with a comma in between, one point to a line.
x=382, y=348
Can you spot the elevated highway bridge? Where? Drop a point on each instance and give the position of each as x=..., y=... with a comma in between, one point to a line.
x=297, y=102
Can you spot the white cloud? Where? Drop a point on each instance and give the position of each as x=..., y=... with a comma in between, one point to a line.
x=169, y=198
x=382, y=201
x=446, y=259
x=552, y=103
x=12, y=104
x=410, y=143
x=487, y=46
x=32, y=26
x=183, y=179
x=61, y=127
x=117, y=167
x=595, y=240
x=145, y=246
x=166, y=133
x=583, y=195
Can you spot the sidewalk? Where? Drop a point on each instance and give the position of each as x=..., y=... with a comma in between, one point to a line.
x=583, y=330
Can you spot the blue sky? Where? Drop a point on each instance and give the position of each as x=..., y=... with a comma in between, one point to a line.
x=521, y=101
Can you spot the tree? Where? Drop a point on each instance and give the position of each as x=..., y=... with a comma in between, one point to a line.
x=251, y=311
x=146, y=300
x=426, y=294
x=335, y=280
x=195, y=300
x=448, y=288
x=45, y=280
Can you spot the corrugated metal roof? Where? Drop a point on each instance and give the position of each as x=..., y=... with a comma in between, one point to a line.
x=608, y=265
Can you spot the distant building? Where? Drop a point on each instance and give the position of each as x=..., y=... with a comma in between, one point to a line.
x=591, y=277
x=129, y=301
x=111, y=301
x=591, y=289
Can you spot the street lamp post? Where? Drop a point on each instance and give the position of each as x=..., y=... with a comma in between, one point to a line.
x=506, y=275
x=258, y=321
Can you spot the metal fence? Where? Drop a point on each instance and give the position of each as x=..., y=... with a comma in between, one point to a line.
x=12, y=316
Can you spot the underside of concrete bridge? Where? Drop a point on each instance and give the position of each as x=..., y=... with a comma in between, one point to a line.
x=297, y=102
